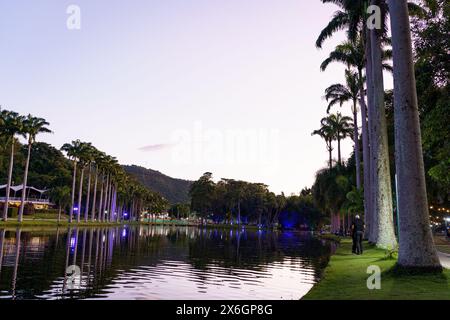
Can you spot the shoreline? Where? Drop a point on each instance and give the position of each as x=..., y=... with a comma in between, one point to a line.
x=39, y=223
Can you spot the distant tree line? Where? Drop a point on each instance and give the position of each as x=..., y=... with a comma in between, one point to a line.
x=238, y=202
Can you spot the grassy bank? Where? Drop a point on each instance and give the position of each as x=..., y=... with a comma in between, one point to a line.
x=55, y=223
x=48, y=222
x=346, y=278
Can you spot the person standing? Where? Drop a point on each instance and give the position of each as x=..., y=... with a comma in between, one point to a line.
x=357, y=235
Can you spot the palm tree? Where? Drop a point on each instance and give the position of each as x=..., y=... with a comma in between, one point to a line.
x=83, y=156
x=341, y=127
x=352, y=53
x=12, y=124
x=352, y=17
x=339, y=94
x=382, y=223
x=90, y=154
x=416, y=242
x=73, y=152
x=98, y=159
x=32, y=126
x=326, y=132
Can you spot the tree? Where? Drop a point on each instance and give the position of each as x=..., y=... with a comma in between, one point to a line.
x=61, y=197
x=84, y=154
x=416, y=243
x=98, y=158
x=73, y=152
x=352, y=17
x=201, y=193
x=90, y=154
x=342, y=128
x=382, y=223
x=339, y=94
x=32, y=126
x=11, y=125
x=326, y=133
x=352, y=53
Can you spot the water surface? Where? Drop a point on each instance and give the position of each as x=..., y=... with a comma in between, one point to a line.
x=148, y=262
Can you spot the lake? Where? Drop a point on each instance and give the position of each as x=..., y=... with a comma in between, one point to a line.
x=156, y=262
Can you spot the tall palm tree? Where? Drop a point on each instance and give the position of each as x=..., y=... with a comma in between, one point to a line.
x=327, y=133
x=339, y=94
x=382, y=224
x=84, y=156
x=352, y=17
x=98, y=159
x=342, y=128
x=73, y=152
x=353, y=54
x=416, y=242
x=12, y=124
x=90, y=154
x=32, y=126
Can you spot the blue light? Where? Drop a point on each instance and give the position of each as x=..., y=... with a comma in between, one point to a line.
x=124, y=233
x=73, y=242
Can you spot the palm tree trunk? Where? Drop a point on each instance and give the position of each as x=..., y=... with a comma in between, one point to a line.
x=356, y=146
x=239, y=212
x=384, y=223
x=80, y=194
x=339, y=149
x=94, y=201
x=25, y=180
x=366, y=153
x=100, y=203
x=330, y=152
x=111, y=205
x=59, y=213
x=370, y=121
x=109, y=202
x=105, y=207
x=88, y=196
x=416, y=242
x=8, y=186
x=114, y=205
x=73, y=190
x=2, y=242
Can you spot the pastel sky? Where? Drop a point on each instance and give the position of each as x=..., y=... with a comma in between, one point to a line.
x=232, y=87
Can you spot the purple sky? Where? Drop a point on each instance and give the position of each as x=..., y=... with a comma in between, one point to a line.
x=181, y=86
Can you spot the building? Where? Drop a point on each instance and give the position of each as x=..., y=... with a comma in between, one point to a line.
x=38, y=198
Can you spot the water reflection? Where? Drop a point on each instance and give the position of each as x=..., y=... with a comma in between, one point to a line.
x=150, y=262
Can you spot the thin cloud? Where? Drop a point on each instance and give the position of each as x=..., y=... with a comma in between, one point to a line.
x=156, y=147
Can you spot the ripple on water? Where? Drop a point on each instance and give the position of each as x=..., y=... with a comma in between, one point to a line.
x=163, y=264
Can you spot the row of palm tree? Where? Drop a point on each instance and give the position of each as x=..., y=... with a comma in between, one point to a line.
x=111, y=195
x=335, y=127
x=13, y=125
x=364, y=56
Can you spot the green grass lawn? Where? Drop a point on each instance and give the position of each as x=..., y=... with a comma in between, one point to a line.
x=346, y=278
x=54, y=223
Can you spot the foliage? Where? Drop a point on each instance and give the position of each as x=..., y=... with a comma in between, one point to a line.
x=231, y=202
x=174, y=190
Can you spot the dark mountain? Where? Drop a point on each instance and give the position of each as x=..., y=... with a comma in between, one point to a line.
x=174, y=190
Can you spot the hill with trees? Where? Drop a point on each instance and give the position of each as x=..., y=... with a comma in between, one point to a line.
x=174, y=190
